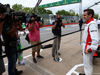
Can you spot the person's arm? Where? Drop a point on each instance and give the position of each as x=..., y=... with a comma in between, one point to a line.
x=12, y=32
x=93, y=29
x=20, y=26
x=54, y=26
x=63, y=25
x=40, y=24
x=31, y=26
x=1, y=24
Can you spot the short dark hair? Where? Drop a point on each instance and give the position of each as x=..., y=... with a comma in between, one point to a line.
x=58, y=14
x=89, y=11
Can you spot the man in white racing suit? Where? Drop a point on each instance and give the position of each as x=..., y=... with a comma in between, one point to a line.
x=90, y=41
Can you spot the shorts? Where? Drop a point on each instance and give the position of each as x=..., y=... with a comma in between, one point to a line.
x=36, y=48
x=2, y=67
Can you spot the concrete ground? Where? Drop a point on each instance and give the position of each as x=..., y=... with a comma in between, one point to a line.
x=71, y=64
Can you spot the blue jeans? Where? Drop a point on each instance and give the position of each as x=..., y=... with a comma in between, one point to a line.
x=11, y=61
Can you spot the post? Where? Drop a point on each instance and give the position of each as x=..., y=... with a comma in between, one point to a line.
x=80, y=9
x=80, y=16
x=37, y=4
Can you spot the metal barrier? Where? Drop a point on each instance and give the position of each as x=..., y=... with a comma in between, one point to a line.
x=35, y=45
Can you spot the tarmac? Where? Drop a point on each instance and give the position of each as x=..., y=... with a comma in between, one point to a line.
x=71, y=55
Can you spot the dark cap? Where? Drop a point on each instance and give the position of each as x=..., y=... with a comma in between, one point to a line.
x=33, y=15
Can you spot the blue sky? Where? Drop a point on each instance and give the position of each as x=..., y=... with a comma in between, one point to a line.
x=75, y=7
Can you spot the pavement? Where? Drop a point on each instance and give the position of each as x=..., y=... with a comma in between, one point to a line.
x=71, y=55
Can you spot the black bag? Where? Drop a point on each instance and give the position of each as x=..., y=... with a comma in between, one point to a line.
x=47, y=46
x=27, y=38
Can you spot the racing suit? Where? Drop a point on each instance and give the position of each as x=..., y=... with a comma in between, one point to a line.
x=90, y=42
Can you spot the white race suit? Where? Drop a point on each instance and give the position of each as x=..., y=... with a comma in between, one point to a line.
x=90, y=41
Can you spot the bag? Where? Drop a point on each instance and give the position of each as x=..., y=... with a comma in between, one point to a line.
x=27, y=38
x=47, y=46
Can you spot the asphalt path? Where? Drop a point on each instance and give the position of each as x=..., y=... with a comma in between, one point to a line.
x=46, y=33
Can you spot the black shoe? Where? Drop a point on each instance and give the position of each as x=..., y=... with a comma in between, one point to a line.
x=40, y=56
x=19, y=72
x=53, y=55
x=56, y=59
x=34, y=60
x=59, y=53
x=81, y=74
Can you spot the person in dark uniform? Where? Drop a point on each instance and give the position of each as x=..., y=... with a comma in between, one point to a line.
x=56, y=30
x=9, y=34
x=80, y=23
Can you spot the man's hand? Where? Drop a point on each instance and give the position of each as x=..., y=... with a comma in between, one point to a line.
x=40, y=24
x=56, y=20
x=86, y=51
x=2, y=15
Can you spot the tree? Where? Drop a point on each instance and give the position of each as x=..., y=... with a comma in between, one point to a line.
x=17, y=7
x=27, y=10
x=96, y=16
x=72, y=13
x=77, y=14
x=61, y=12
x=67, y=13
x=40, y=10
x=49, y=12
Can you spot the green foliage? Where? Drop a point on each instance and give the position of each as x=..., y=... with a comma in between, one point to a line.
x=77, y=14
x=72, y=13
x=61, y=12
x=40, y=10
x=17, y=7
x=96, y=16
x=27, y=10
x=49, y=12
x=67, y=13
